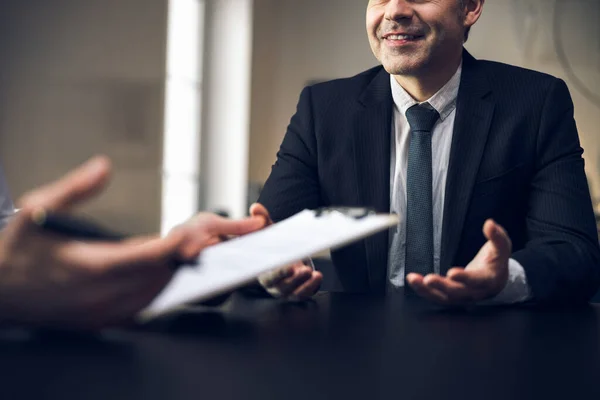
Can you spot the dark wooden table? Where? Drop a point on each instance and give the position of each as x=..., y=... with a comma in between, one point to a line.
x=339, y=346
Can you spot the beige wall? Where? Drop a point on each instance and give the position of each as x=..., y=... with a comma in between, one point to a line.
x=523, y=32
x=296, y=42
x=299, y=41
x=79, y=78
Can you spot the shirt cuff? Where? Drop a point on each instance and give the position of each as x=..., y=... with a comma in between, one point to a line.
x=516, y=290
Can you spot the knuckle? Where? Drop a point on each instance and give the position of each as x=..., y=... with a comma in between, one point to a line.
x=94, y=269
x=29, y=200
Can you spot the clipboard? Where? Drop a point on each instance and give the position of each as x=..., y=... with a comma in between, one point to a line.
x=234, y=263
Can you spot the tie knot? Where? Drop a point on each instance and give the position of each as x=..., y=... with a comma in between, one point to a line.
x=421, y=118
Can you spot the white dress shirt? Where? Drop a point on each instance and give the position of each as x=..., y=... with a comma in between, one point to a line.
x=444, y=101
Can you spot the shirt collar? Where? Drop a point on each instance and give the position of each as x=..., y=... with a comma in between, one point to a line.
x=444, y=101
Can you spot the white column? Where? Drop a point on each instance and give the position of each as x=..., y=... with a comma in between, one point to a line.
x=181, y=145
x=226, y=105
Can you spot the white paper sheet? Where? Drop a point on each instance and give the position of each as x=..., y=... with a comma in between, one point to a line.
x=228, y=265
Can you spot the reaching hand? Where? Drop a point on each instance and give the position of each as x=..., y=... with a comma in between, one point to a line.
x=52, y=280
x=206, y=229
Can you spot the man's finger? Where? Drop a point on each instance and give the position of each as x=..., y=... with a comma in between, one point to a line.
x=257, y=210
x=78, y=185
x=499, y=240
x=140, y=239
x=224, y=226
x=19, y=228
x=191, y=248
x=206, y=230
x=273, y=278
x=416, y=283
x=310, y=287
x=476, y=279
x=158, y=253
x=456, y=292
x=289, y=285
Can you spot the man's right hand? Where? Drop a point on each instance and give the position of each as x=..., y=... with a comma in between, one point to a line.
x=297, y=281
x=55, y=281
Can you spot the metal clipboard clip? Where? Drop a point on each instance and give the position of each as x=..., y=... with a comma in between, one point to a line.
x=351, y=212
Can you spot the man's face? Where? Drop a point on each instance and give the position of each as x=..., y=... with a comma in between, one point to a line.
x=410, y=37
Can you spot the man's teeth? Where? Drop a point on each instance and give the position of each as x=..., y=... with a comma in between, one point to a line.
x=401, y=37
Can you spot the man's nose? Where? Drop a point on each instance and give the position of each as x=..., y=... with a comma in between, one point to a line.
x=397, y=10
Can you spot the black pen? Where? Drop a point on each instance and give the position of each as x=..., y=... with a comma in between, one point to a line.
x=80, y=228
x=75, y=227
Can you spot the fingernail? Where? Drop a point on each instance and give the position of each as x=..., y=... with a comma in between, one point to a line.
x=96, y=165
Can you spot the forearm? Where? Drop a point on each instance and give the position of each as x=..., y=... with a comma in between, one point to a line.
x=561, y=257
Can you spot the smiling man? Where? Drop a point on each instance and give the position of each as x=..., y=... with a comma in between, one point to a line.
x=481, y=161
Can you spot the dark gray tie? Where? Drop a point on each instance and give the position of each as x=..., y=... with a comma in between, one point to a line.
x=419, y=204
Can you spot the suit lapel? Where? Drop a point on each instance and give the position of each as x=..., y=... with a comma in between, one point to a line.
x=473, y=118
x=372, y=136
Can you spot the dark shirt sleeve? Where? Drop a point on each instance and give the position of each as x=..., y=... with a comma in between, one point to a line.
x=293, y=184
x=562, y=256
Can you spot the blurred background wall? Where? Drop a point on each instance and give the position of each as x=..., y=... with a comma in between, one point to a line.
x=84, y=77
x=78, y=78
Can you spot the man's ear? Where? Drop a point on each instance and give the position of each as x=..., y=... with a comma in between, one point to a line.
x=473, y=10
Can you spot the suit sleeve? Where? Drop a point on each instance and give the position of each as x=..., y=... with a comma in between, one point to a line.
x=562, y=255
x=293, y=184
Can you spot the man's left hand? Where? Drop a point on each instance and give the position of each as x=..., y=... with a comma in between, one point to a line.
x=297, y=281
x=484, y=277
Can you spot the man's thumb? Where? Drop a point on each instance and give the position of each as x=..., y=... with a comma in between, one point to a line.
x=498, y=237
x=75, y=187
x=258, y=210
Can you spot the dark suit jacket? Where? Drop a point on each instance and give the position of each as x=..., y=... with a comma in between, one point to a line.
x=515, y=157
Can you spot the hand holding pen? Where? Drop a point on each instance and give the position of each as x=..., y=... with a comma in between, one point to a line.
x=58, y=271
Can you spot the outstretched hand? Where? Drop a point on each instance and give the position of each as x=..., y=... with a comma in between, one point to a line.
x=483, y=278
